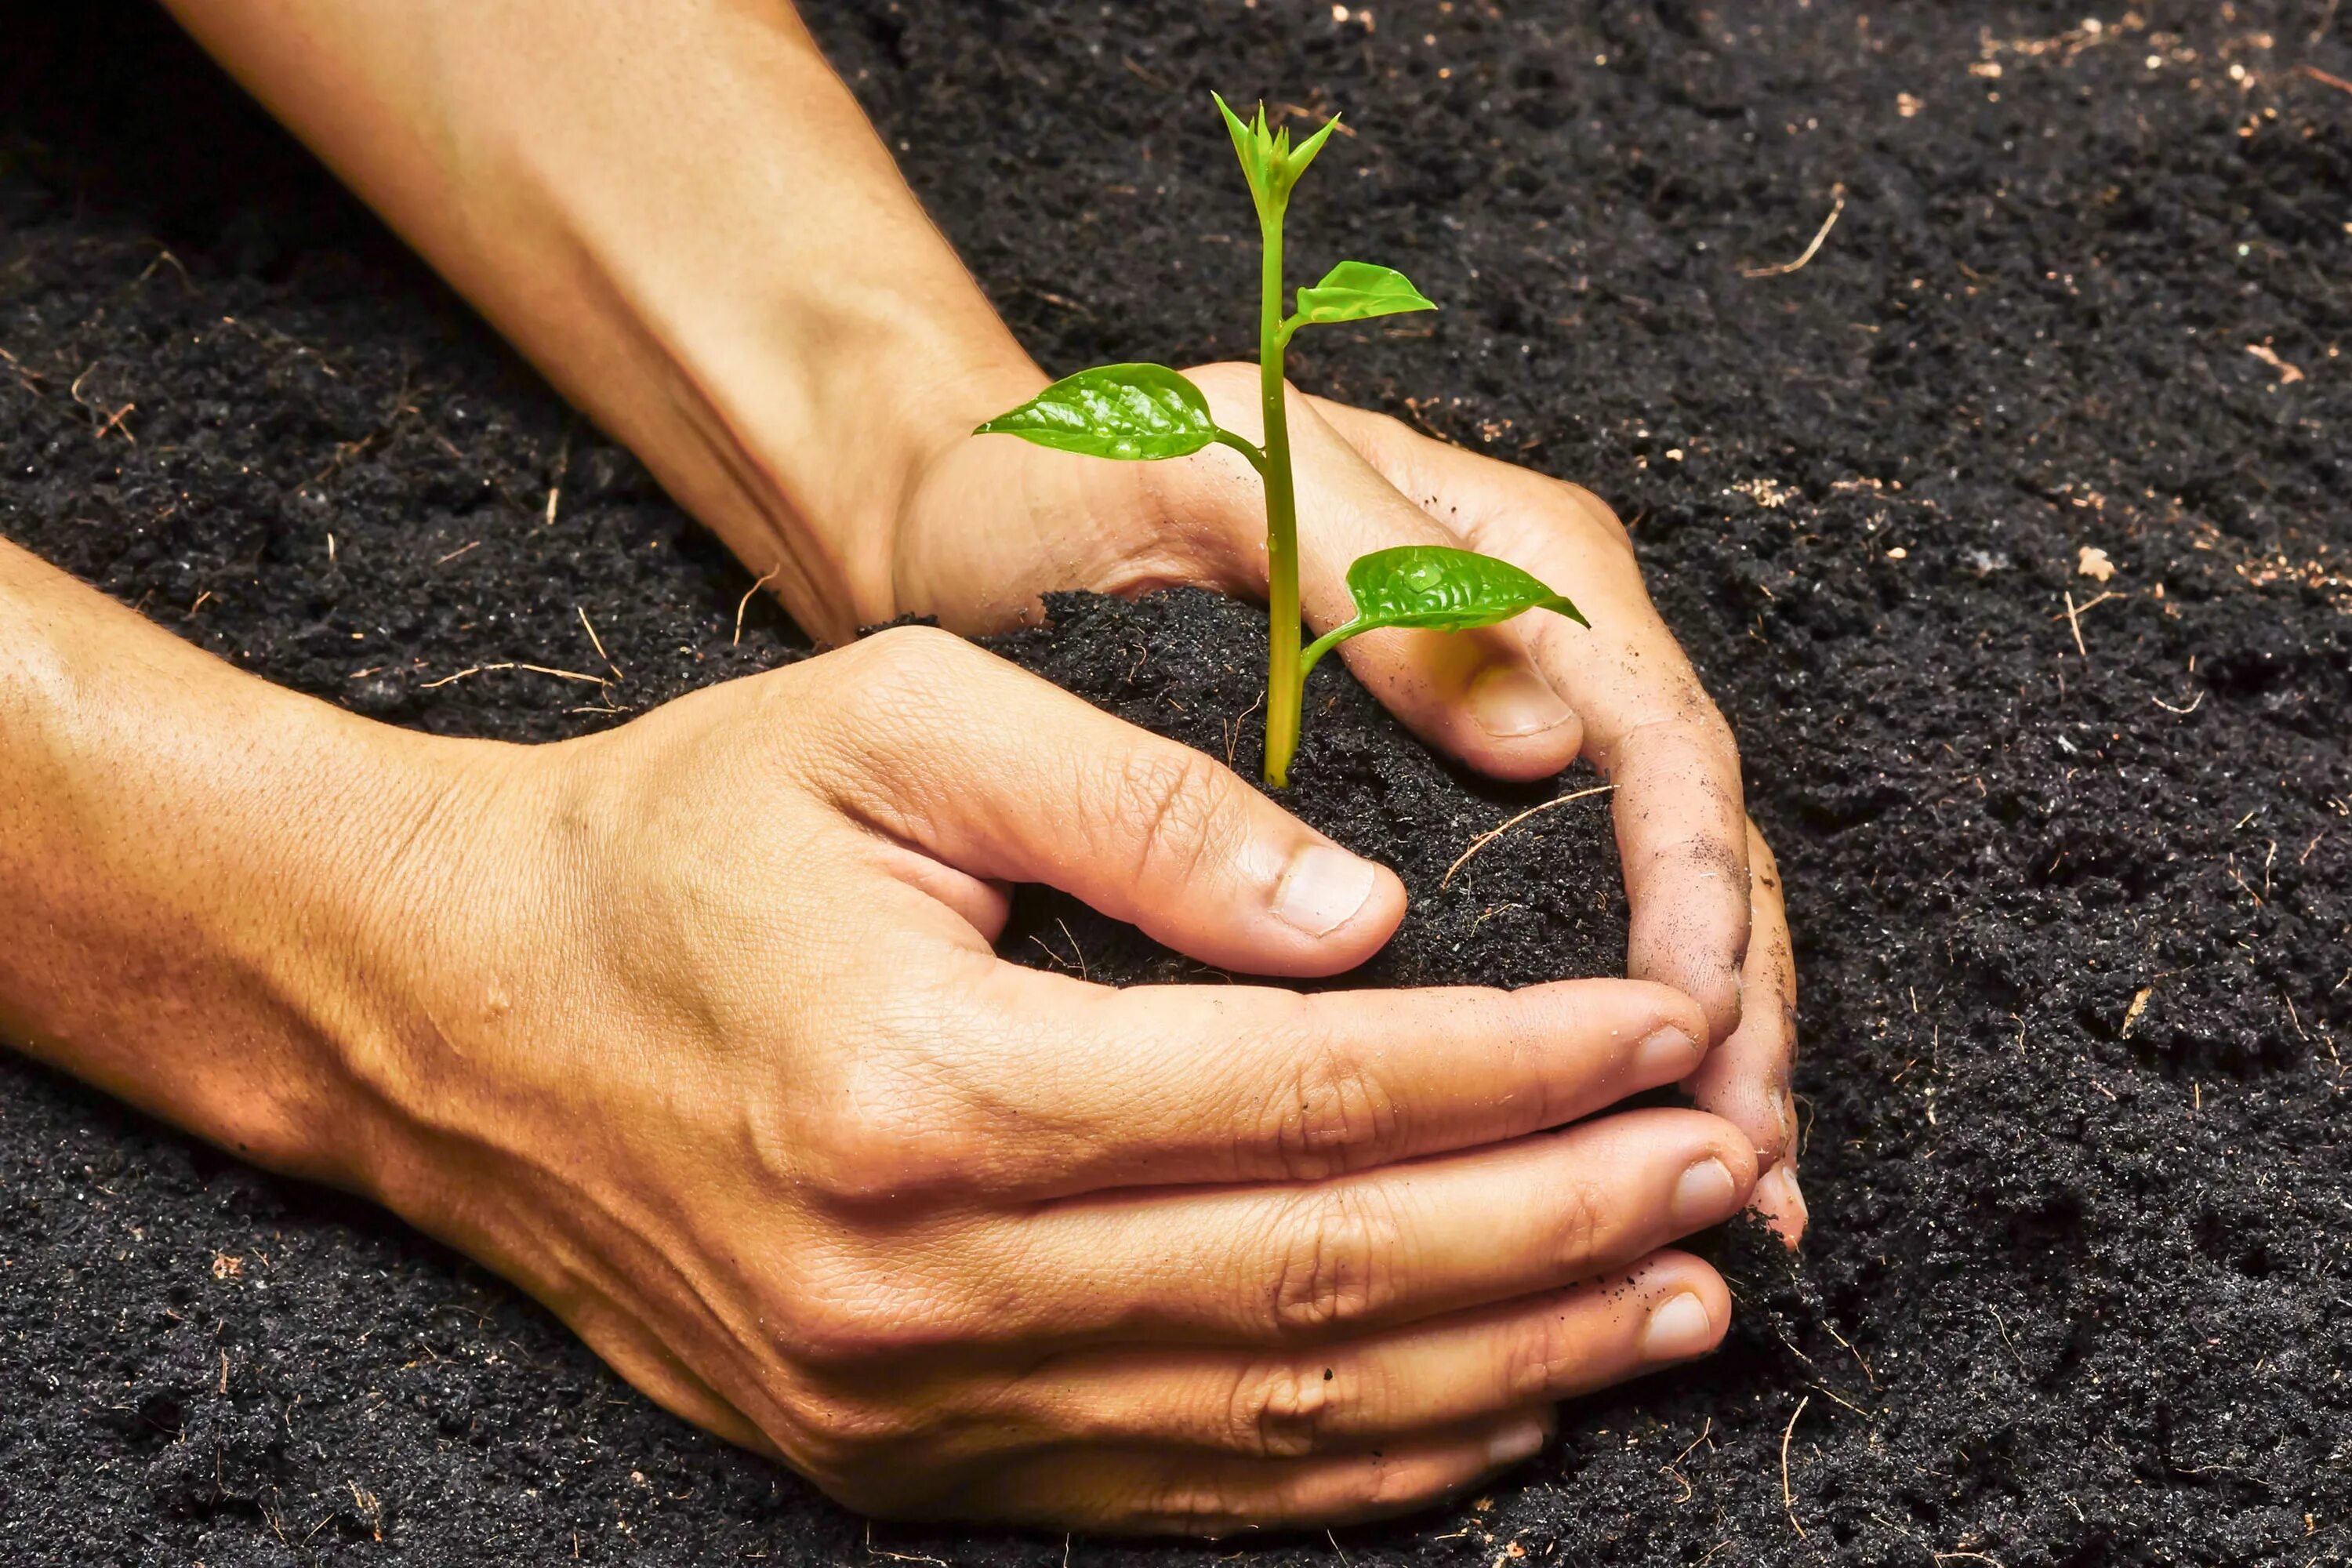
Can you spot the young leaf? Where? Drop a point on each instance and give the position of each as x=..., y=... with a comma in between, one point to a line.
x=1436, y=587
x=1445, y=589
x=1269, y=161
x=1357, y=291
x=1295, y=162
x=1252, y=146
x=1136, y=412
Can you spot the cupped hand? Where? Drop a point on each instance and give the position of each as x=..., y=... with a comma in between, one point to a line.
x=992, y=522
x=713, y=1053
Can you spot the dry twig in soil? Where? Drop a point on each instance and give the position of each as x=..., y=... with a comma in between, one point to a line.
x=1782, y=269
x=1787, y=1496
x=598, y=641
x=745, y=603
x=1490, y=836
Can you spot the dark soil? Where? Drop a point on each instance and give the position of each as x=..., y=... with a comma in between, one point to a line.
x=1543, y=902
x=2075, y=923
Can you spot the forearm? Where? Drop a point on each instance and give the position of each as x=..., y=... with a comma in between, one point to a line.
x=679, y=212
x=192, y=859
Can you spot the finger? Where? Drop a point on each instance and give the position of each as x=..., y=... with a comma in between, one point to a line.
x=1746, y=1079
x=1145, y=1493
x=1648, y=722
x=1274, y=1263
x=1477, y=694
x=1226, y=1083
x=947, y=750
x=1677, y=811
x=1443, y=1373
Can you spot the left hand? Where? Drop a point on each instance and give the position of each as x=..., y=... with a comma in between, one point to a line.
x=1518, y=700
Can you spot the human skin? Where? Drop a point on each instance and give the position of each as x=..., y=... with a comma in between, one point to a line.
x=678, y=210
x=310, y=979
x=695, y=1030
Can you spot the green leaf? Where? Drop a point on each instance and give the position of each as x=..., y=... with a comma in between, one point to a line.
x=1450, y=590
x=1252, y=146
x=1357, y=291
x=1295, y=162
x=1135, y=411
x=1435, y=587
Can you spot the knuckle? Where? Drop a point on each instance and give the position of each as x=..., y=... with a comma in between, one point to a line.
x=883, y=1138
x=1334, y=1115
x=1536, y=1359
x=1687, y=735
x=1333, y=1261
x=840, y=1435
x=892, y=1115
x=884, y=1159
x=1584, y=1222
x=1169, y=797
x=1191, y=1505
x=1701, y=857
x=916, y=647
x=906, y=673
x=1714, y=731
x=1284, y=1410
x=1599, y=514
x=1389, y=1485
x=854, y=1314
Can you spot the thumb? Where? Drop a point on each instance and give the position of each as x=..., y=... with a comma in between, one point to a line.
x=1003, y=776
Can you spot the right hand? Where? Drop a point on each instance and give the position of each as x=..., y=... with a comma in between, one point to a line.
x=708, y=1048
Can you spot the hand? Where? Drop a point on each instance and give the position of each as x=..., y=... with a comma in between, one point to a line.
x=708, y=1048
x=811, y=409
x=1519, y=701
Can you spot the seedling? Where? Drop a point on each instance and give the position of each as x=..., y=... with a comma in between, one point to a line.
x=1146, y=412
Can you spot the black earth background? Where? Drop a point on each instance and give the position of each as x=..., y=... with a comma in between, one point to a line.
x=2073, y=921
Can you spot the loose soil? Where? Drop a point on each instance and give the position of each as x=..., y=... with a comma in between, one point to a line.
x=2072, y=916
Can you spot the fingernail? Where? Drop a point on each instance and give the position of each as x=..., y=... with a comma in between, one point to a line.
x=1779, y=1194
x=1679, y=1330
x=1511, y=701
x=1664, y=1056
x=1786, y=1109
x=1704, y=1194
x=1323, y=889
x=1513, y=1444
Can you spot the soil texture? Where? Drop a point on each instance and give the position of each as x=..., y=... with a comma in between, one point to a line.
x=2011, y=530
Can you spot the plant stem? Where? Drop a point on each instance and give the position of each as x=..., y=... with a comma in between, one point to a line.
x=1285, y=683
x=1321, y=645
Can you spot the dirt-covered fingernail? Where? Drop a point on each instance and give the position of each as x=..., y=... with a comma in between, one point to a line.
x=1704, y=1194
x=1323, y=889
x=1664, y=1056
x=1678, y=1330
x=1778, y=1195
x=1510, y=701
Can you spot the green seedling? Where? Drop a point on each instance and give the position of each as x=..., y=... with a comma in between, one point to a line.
x=1146, y=412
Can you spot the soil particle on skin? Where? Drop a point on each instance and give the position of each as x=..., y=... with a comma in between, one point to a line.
x=2069, y=859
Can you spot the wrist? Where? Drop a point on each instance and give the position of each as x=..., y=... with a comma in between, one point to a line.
x=780, y=333
x=201, y=862
x=840, y=465
x=398, y=902
x=678, y=210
